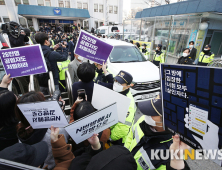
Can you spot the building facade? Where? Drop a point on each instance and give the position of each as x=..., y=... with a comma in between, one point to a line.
x=101, y=12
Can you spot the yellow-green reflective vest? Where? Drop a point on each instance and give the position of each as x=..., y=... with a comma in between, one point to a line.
x=53, y=43
x=159, y=58
x=120, y=130
x=141, y=157
x=63, y=66
x=146, y=55
x=206, y=58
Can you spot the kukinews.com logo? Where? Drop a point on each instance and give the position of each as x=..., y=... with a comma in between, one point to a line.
x=198, y=154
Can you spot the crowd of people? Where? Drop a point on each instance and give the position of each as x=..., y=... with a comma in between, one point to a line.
x=122, y=146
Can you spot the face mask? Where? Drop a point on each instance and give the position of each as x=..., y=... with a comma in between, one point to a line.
x=185, y=54
x=80, y=58
x=157, y=48
x=191, y=46
x=149, y=120
x=117, y=87
x=205, y=49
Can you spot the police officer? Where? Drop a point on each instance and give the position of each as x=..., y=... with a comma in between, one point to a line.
x=121, y=85
x=144, y=50
x=138, y=45
x=131, y=41
x=148, y=134
x=206, y=56
x=158, y=56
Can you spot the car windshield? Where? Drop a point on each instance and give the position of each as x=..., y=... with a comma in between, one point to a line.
x=124, y=54
x=102, y=31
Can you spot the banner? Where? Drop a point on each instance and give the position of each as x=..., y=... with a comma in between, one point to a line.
x=23, y=61
x=123, y=102
x=43, y=114
x=192, y=104
x=92, y=48
x=10, y=165
x=94, y=123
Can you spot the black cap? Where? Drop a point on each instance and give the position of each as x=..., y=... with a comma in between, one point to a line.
x=124, y=77
x=33, y=155
x=144, y=44
x=114, y=158
x=151, y=107
x=208, y=46
x=159, y=45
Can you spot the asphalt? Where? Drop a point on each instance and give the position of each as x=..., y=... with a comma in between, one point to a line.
x=193, y=164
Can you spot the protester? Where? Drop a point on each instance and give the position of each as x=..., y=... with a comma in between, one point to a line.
x=52, y=56
x=73, y=66
x=80, y=109
x=6, y=80
x=186, y=58
x=121, y=85
x=99, y=74
x=206, y=56
x=28, y=135
x=148, y=133
x=8, y=121
x=86, y=74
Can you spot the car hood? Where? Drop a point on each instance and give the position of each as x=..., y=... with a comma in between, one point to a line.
x=141, y=71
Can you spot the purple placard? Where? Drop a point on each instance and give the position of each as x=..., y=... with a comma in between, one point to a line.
x=23, y=61
x=92, y=48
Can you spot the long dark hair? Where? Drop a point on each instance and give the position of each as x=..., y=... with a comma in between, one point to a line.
x=23, y=129
x=7, y=108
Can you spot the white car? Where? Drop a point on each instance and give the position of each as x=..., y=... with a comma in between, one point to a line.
x=126, y=56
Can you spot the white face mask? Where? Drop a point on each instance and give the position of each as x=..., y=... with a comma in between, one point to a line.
x=80, y=58
x=157, y=48
x=205, y=49
x=185, y=54
x=149, y=120
x=191, y=46
x=117, y=87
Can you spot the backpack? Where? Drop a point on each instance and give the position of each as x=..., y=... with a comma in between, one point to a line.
x=44, y=77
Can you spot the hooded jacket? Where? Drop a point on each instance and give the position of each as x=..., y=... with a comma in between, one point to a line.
x=53, y=58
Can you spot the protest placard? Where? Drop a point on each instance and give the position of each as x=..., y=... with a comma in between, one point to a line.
x=92, y=48
x=10, y=165
x=192, y=104
x=43, y=114
x=122, y=101
x=23, y=61
x=94, y=123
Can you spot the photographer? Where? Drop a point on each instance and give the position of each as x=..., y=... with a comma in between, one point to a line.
x=17, y=36
x=52, y=56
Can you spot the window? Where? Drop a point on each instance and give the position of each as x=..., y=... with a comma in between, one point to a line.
x=30, y=23
x=101, y=8
x=6, y=20
x=61, y=3
x=85, y=6
x=67, y=3
x=79, y=5
x=95, y=7
x=40, y=2
x=47, y=3
x=110, y=9
x=22, y=22
x=2, y=2
x=17, y=2
x=26, y=2
x=115, y=9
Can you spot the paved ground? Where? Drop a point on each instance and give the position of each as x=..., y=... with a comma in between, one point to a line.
x=193, y=164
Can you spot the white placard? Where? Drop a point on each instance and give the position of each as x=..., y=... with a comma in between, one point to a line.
x=43, y=114
x=103, y=96
x=94, y=123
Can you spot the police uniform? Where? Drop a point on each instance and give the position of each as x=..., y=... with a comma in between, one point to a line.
x=205, y=57
x=143, y=138
x=120, y=130
x=145, y=52
x=62, y=66
x=158, y=57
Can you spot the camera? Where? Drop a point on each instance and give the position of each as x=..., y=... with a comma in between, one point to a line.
x=56, y=95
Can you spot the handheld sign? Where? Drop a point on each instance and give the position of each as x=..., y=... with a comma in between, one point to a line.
x=23, y=61
x=10, y=165
x=43, y=114
x=94, y=123
x=192, y=104
x=122, y=101
x=92, y=48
